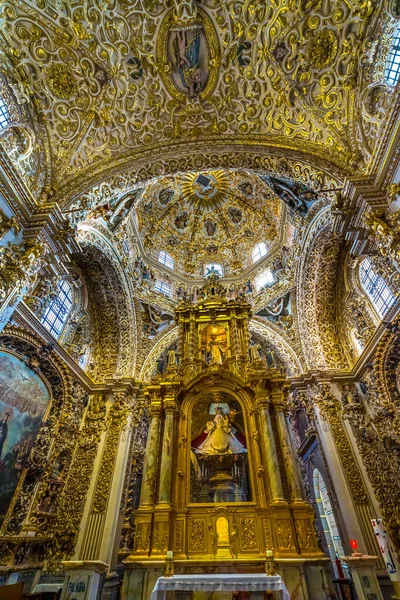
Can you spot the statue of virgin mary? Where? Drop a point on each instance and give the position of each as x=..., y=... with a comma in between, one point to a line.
x=221, y=436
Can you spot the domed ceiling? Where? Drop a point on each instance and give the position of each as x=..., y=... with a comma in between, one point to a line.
x=215, y=216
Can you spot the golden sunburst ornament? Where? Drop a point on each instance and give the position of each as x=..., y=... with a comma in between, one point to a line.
x=208, y=189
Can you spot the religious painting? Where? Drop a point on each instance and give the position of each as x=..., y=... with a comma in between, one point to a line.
x=188, y=49
x=219, y=470
x=23, y=402
x=165, y=195
x=210, y=227
x=181, y=220
x=235, y=214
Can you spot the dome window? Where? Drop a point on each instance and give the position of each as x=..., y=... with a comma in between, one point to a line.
x=264, y=280
x=376, y=288
x=56, y=314
x=392, y=69
x=213, y=268
x=4, y=114
x=259, y=251
x=166, y=259
x=163, y=287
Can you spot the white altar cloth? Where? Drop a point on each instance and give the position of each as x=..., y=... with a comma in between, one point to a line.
x=229, y=582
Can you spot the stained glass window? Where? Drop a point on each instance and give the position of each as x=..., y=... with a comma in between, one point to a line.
x=392, y=70
x=376, y=287
x=56, y=314
x=166, y=259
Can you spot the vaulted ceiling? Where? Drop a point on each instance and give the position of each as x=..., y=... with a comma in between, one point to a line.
x=115, y=82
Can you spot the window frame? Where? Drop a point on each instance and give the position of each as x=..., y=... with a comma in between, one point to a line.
x=52, y=319
x=375, y=288
x=258, y=248
x=167, y=260
x=267, y=284
x=5, y=117
x=162, y=287
x=392, y=66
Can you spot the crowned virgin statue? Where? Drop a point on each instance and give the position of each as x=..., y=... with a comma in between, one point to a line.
x=221, y=436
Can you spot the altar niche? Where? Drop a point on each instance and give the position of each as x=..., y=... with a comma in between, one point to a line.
x=214, y=344
x=219, y=469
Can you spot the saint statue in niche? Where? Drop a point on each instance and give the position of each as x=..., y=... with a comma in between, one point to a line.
x=221, y=438
x=214, y=344
x=219, y=463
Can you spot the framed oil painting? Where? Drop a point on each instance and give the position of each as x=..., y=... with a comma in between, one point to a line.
x=24, y=399
x=189, y=53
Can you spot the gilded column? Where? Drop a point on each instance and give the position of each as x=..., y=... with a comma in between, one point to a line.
x=235, y=336
x=192, y=338
x=268, y=448
x=292, y=475
x=181, y=340
x=147, y=494
x=164, y=495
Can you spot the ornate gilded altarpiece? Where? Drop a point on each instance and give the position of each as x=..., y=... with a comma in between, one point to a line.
x=220, y=481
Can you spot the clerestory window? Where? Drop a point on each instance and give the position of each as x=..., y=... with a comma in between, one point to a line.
x=4, y=114
x=376, y=288
x=166, y=259
x=259, y=251
x=56, y=314
x=163, y=287
x=392, y=69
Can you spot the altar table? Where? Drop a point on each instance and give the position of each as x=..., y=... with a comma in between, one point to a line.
x=224, y=582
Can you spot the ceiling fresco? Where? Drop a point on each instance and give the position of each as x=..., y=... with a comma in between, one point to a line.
x=111, y=81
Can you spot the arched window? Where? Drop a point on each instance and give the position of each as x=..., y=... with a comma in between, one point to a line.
x=392, y=69
x=213, y=268
x=56, y=313
x=166, y=259
x=4, y=114
x=376, y=288
x=264, y=279
x=259, y=251
x=163, y=287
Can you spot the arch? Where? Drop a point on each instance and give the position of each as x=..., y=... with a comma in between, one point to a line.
x=111, y=305
x=162, y=342
x=129, y=173
x=316, y=295
x=279, y=343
